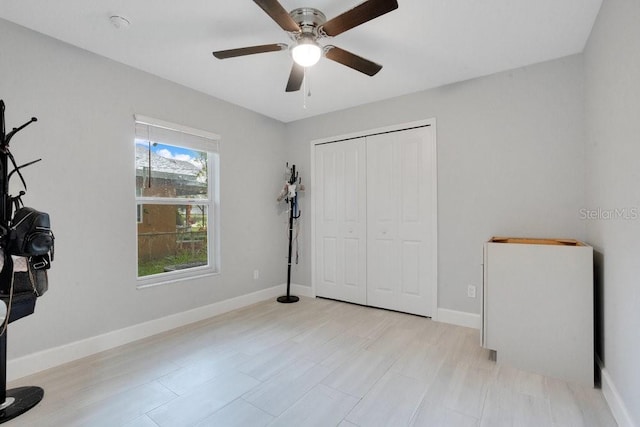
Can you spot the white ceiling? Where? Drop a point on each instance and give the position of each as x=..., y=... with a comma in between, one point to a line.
x=423, y=44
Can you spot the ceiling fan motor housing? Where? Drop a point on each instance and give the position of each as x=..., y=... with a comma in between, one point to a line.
x=309, y=19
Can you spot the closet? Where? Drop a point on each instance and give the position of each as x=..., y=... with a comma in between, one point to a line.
x=375, y=218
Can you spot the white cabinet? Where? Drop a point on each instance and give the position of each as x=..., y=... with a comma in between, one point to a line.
x=538, y=306
x=375, y=221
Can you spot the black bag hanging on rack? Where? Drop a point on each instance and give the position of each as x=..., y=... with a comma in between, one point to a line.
x=30, y=234
x=30, y=275
x=30, y=239
x=20, y=303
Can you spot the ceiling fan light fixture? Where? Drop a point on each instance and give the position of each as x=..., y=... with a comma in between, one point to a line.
x=306, y=53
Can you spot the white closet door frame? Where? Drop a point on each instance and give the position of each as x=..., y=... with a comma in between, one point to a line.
x=434, y=168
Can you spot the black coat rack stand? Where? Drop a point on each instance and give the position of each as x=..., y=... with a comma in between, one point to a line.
x=293, y=214
x=19, y=400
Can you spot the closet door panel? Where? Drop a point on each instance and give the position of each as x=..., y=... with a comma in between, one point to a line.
x=417, y=219
x=352, y=250
x=400, y=213
x=330, y=260
x=410, y=268
x=328, y=256
x=340, y=191
x=382, y=242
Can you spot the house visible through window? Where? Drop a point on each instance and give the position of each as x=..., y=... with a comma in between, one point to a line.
x=176, y=201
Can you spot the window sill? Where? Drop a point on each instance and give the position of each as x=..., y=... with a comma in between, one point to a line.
x=160, y=281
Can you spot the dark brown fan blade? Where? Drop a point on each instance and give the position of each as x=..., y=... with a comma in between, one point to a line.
x=278, y=14
x=251, y=50
x=295, y=78
x=352, y=60
x=360, y=14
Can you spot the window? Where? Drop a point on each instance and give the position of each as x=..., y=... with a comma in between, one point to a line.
x=177, y=208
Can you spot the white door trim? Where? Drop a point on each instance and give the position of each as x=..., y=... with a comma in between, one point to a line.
x=434, y=168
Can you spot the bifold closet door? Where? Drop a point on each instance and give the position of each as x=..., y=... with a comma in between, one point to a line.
x=401, y=219
x=340, y=220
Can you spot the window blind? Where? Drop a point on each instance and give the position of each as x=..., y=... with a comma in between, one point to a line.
x=159, y=131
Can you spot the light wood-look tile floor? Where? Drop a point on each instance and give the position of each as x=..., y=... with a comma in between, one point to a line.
x=314, y=363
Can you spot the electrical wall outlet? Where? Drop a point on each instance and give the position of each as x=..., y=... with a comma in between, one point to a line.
x=471, y=291
x=256, y=274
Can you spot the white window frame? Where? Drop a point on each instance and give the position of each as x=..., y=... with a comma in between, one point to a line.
x=211, y=147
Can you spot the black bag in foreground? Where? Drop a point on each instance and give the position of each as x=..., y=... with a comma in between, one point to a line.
x=30, y=234
x=30, y=275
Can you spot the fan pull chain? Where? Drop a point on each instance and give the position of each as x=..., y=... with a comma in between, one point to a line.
x=304, y=89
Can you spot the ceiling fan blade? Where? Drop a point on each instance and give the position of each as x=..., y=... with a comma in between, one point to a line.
x=360, y=14
x=295, y=78
x=352, y=60
x=251, y=50
x=279, y=14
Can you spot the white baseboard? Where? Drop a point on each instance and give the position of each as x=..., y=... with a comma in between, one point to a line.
x=303, y=291
x=36, y=362
x=615, y=402
x=460, y=318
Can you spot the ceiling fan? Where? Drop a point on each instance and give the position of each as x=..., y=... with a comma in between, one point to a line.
x=305, y=25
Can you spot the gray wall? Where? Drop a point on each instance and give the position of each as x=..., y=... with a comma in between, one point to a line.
x=85, y=104
x=510, y=162
x=510, y=152
x=612, y=62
